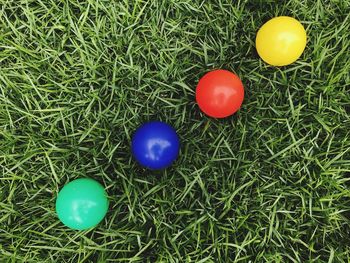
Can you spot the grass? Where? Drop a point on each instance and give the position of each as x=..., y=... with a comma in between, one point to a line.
x=270, y=184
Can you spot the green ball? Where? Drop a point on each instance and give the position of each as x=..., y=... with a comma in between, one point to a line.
x=82, y=204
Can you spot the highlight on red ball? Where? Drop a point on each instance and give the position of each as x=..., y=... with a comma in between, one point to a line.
x=219, y=93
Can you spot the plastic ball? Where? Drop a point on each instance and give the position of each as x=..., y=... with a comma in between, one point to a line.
x=82, y=204
x=155, y=145
x=219, y=93
x=281, y=41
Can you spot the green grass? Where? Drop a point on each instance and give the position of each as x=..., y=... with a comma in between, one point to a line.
x=270, y=184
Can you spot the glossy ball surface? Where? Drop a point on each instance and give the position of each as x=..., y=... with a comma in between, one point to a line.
x=219, y=93
x=281, y=41
x=82, y=204
x=155, y=145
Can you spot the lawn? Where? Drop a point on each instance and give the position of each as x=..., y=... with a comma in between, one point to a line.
x=269, y=184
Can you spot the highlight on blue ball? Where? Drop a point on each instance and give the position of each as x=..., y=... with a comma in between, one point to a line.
x=155, y=145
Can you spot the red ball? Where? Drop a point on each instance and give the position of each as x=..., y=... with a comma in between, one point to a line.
x=219, y=93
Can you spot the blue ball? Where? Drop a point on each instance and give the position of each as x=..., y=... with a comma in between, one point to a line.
x=155, y=145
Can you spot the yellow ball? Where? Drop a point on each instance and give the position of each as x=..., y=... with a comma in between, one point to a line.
x=281, y=41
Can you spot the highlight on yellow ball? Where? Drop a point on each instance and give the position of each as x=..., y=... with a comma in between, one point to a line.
x=281, y=41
